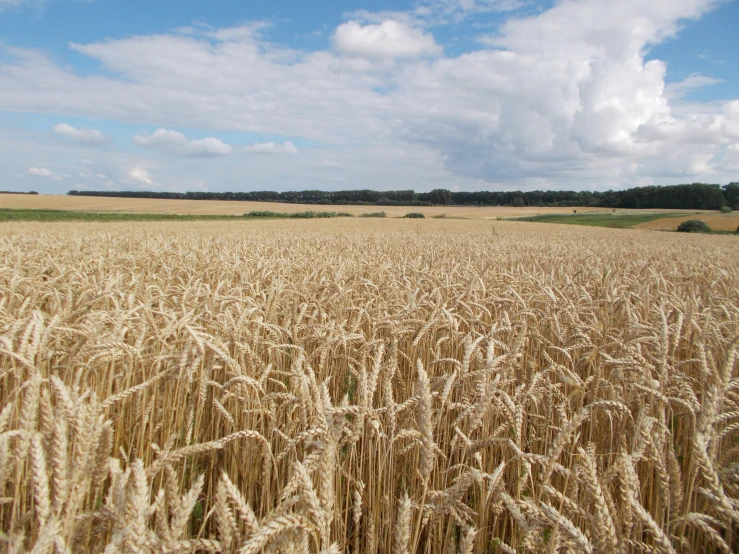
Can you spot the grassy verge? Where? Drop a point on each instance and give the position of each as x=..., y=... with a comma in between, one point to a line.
x=615, y=221
x=7, y=214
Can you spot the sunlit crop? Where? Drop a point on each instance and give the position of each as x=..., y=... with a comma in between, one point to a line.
x=367, y=386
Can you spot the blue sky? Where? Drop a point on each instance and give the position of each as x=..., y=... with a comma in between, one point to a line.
x=460, y=94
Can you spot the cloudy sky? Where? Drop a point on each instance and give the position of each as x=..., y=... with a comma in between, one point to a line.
x=288, y=95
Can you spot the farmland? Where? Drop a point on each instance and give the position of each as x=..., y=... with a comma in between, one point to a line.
x=716, y=221
x=225, y=207
x=58, y=208
x=366, y=385
x=7, y=215
x=623, y=220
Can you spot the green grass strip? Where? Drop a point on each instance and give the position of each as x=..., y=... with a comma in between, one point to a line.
x=614, y=221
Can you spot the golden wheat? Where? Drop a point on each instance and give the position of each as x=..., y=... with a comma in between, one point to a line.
x=434, y=386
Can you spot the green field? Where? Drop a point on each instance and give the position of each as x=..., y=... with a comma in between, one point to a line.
x=615, y=221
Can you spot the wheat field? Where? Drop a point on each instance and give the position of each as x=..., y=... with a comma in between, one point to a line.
x=237, y=207
x=367, y=386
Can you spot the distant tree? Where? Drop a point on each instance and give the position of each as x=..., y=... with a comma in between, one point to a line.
x=693, y=226
x=440, y=197
x=695, y=196
x=731, y=195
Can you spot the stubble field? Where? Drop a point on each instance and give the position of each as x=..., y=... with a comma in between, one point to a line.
x=367, y=386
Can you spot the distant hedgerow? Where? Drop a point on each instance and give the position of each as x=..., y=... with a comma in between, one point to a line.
x=415, y=215
x=693, y=226
x=297, y=215
x=374, y=214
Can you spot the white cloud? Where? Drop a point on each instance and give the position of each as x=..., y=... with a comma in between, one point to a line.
x=272, y=148
x=242, y=33
x=43, y=172
x=84, y=136
x=328, y=164
x=141, y=176
x=694, y=81
x=10, y=4
x=566, y=97
x=387, y=40
x=98, y=178
x=457, y=10
x=431, y=13
x=106, y=181
x=174, y=143
x=312, y=35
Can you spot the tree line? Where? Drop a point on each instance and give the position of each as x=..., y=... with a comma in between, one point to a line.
x=694, y=196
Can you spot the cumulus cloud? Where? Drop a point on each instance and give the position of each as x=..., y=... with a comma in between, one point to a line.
x=140, y=175
x=271, y=148
x=83, y=136
x=177, y=144
x=575, y=100
x=386, y=40
x=43, y=172
x=566, y=97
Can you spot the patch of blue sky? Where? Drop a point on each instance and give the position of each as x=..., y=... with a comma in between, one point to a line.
x=55, y=24
x=707, y=47
x=469, y=34
x=51, y=26
x=460, y=38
